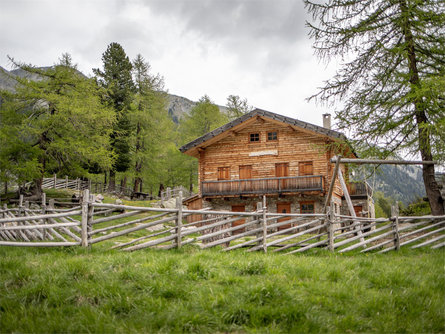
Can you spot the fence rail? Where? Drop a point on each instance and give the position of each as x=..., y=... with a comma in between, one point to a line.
x=133, y=228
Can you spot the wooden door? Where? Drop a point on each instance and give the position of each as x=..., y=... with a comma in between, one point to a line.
x=358, y=210
x=282, y=170
x=238, y=208
x=283, y=208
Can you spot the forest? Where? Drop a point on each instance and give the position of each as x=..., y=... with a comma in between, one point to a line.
x=113, y=127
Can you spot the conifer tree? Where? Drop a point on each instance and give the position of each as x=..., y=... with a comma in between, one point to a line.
x=391, y=85
x=116, y=78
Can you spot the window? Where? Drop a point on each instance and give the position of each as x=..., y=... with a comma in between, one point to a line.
x=282, y=169
x=254, y=137
x=307, y=207
x=272, y=136
x=223, y=173
x=306, y=168
x=245, y=172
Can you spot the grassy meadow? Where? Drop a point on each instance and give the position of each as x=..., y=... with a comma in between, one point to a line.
x=191, y=290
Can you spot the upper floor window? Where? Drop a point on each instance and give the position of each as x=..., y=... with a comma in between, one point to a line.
x=223, y=173
x=306, y=168
x=272, y=136
x=254, y=137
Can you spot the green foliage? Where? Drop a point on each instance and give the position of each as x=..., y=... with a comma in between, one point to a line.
x=48, y=125
x=98, y=290
x=382, y=205
x=391, y=85
x=420, y=207
x=153, y=128
x=117, y=81
x=203, y=118
x=237, y=107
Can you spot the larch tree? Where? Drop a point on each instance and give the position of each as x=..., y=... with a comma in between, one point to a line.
x=391, y=85
x=54, y=124
x=204, y=117
x=237, y=107
x=152, y=125
x=116, y=78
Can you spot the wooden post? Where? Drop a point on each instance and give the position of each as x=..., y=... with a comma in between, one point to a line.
x=21, y=205
x=55, y=181
x=89, y=185
x=179, y=221
x=331, y=186
x=44, y=212
x=90, y=217
x=395, y=225
x=66, y=181
x=84, y=221
x=330, y=222
x=264, y=225
x=78, y=184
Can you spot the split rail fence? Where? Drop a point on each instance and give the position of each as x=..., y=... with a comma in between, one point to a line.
x=132, y=228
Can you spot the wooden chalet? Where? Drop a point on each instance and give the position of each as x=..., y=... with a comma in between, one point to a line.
x=263, y=153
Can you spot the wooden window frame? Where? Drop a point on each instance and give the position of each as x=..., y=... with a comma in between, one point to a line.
x=300, y=169
x=274, y=134
x=226, y=170
x=253, y=134
x=244, y=166
x=306, y=203
x=282, y=164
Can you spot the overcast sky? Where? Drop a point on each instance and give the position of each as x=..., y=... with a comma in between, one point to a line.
x=257, y=49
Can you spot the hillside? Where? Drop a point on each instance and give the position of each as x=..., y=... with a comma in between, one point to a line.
x=403, y=183
x=177, y=105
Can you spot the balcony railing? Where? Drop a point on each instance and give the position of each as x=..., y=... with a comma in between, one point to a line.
x=263, y=186
x=359, y=189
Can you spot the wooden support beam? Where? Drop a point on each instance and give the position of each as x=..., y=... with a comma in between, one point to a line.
x=350, y=206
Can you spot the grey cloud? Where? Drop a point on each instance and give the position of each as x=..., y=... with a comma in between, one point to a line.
x=234, y=18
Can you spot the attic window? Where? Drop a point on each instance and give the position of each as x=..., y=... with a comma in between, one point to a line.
x=254, y=137
x=272, y=136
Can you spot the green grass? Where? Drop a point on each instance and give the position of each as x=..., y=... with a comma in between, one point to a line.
x=190, y=290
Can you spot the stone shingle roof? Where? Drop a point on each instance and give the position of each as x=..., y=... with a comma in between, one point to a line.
x=266, y=114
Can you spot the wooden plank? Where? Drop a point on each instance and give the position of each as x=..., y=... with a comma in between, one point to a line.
x=361, y=243
x=429, y=242
x=316, y=244
x=34, y=227
x=136, y=221
x=129, y=230
x=38, y=244
x=38, y=217
x=122, y=215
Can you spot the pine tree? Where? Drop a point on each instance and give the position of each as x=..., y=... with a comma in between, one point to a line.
x=116, y=78
x=391, y=86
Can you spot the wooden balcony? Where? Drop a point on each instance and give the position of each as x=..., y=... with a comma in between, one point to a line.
x=359, y=189
x=263, y=186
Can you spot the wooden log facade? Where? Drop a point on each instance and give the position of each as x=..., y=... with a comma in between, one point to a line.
x=262, y=153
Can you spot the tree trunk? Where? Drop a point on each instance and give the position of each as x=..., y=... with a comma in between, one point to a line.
x=431, y=187
x=112, y=181
x=6, y=187
x=161, y=189
x=137, y=184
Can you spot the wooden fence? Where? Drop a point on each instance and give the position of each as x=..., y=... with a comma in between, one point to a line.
x=78, y=184
x=133, y=228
